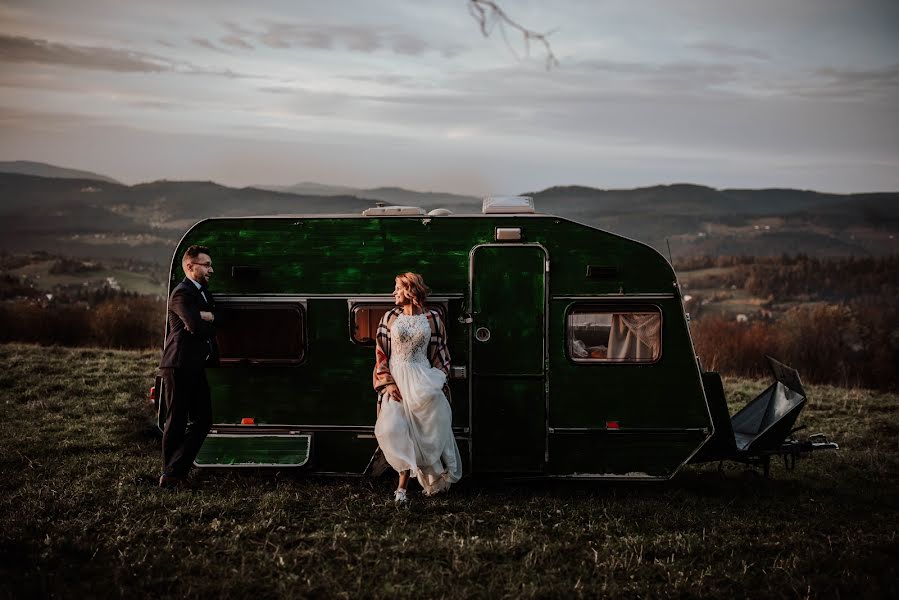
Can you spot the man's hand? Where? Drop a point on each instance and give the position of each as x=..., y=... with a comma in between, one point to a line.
x=394, y=392
x=207, y=316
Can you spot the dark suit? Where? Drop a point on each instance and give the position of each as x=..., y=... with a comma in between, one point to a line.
x=190, y=347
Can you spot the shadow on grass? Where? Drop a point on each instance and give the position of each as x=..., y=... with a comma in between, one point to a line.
x=707, y=483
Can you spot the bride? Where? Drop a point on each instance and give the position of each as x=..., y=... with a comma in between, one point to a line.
x=414, y=426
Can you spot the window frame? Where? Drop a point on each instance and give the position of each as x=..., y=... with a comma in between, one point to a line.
x=601, y=306
x=439, y=305
x=299, y=304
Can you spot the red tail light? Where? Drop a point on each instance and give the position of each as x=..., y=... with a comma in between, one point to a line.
x=612, y=425
x=248, y=421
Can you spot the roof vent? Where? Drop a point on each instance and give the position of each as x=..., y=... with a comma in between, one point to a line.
x=440, y=212
x=391, y=211
x=495, y=205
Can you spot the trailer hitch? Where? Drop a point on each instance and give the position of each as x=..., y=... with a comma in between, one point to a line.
x=793, y=448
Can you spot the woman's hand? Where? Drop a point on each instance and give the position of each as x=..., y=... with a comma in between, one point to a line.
x=394, y=392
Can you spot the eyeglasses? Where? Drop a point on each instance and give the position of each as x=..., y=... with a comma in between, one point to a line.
x=209, y=264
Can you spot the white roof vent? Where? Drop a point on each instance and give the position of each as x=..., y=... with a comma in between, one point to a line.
x=495, y=205
x=392, y=211
x=440, y=212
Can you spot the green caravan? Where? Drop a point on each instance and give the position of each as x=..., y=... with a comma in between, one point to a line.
x=571, y=351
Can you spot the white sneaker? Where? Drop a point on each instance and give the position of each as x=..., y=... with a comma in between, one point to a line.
x=399, y=496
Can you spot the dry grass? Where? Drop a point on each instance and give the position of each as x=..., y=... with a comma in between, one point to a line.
x=79, y=519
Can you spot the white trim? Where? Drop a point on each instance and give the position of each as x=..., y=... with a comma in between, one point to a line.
x=630, y=476
x=627, y=430
x=617, y=297
x=695, y=361
x=294, y=429
x=263, y=298
x=300, y=297
x=356, y=298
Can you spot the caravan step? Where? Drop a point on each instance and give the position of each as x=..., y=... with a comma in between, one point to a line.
x=247, y=450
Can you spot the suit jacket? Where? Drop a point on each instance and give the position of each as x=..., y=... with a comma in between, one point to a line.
x=190, y=342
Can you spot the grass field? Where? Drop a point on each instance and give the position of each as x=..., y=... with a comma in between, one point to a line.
x=81, y=518
x=39, y=273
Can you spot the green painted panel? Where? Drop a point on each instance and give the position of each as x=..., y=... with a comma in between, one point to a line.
x=342, y=452
x=508, y=300
x=509, y=425
x=331, y=255
x=665, y=394
x=254, y=450
x=333, y=386
x=353, y=256
x=620, y=453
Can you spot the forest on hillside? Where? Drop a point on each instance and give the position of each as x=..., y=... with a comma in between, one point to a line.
x=800, y=275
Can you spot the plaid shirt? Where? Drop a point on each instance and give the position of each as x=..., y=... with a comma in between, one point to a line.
x=438, y=354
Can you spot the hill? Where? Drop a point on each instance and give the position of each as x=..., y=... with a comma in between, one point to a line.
x=697, y=220
x=27, y=167
x=87, y=218
x=390, y=195
x=90, y=218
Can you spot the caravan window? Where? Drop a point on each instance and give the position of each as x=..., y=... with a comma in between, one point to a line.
x=262, y=332
x=600, y=335
x=365, y=317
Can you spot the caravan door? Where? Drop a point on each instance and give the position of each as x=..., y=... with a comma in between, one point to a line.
x=508, y=357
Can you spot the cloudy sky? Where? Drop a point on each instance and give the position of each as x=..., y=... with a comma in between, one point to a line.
x=727, y=93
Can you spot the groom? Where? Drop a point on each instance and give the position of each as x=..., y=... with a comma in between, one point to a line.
x=189, y=348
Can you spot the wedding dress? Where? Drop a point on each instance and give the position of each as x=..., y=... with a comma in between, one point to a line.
x=416, y=434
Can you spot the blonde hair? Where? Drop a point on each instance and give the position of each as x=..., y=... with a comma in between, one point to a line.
x=413, y=288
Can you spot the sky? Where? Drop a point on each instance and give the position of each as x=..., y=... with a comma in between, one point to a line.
x=367, y=93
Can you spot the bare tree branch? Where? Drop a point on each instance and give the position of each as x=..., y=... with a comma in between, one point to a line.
x=488, y=14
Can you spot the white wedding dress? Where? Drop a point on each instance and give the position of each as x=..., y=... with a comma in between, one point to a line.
x=416, y=434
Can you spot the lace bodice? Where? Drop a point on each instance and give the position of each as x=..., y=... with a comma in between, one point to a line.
x=409, y=337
